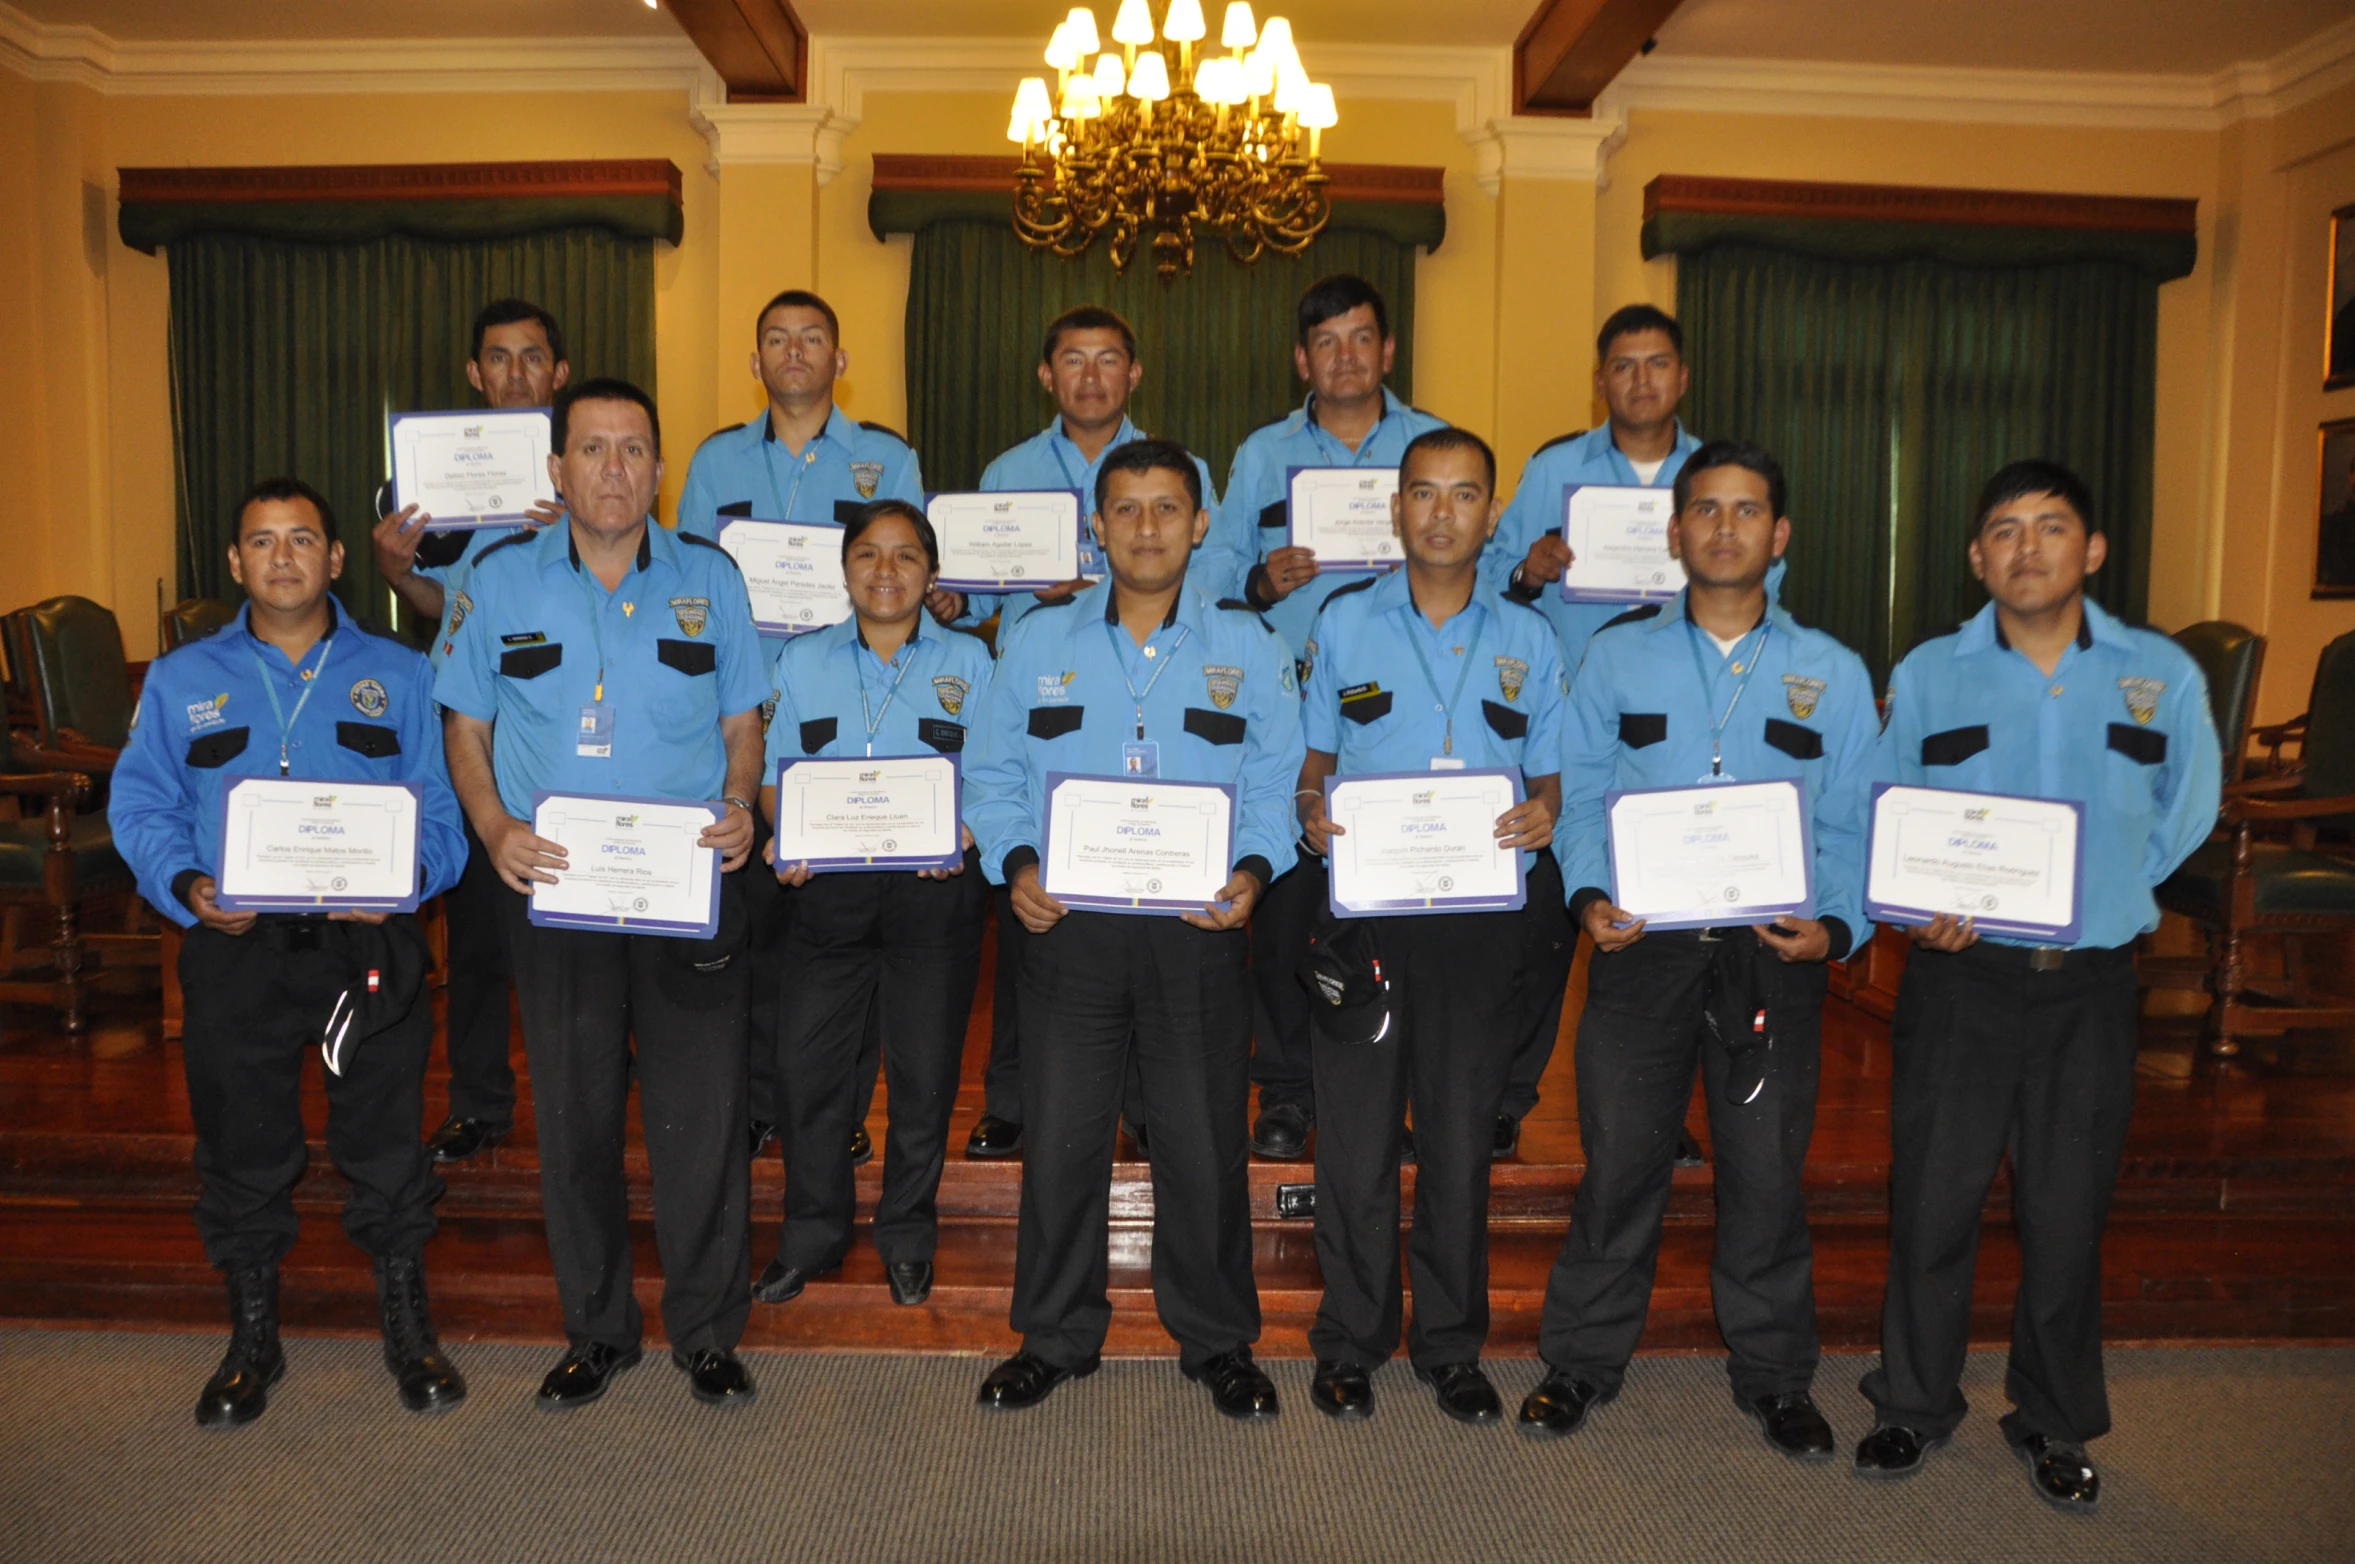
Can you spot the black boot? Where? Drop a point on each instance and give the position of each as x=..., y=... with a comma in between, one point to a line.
x=240, y=1387
x=429, y=1382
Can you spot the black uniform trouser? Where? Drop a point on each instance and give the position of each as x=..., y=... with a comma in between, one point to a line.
x=1097, y=989
x=1282, y=1055
x=255, y=1005
x=766, y=917
x=1637, y=1045
x=482, y=1072
x=1551, y=946
x=1001, y=1083
x=592, y=1003
x=1989, y=1055
x=908, y=950
x=1457, y=999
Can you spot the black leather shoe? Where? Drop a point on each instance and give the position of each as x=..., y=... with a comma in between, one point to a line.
x=716, y=1376
x=757, y=1140
x=459, y=1139
x=911, y=1281
x=1406, y=1145
x=862, y=1147
x=1281, y=1134
x=1890, y=1452
x=429, y=1382
x=993, y=1138
x=1342, y=1390
x=1688, y=1150
x=1464, y=1393
x=1026, y=1379
x=1558, y=1406
x=239, y=1390
x=1507, y=1138
x=1237, y=1386
x=583, y=1374
x=1792, y=1424
x=2062, y=1474
x=782, y=1283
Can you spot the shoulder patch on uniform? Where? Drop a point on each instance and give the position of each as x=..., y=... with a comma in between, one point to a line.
x=1560, y=439
x=1635, y=615
x=876, y=428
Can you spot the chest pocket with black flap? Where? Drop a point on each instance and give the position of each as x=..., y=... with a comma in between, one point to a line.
x=2146, y=746
x=529, y=662
x=1367, y=706
x=689, y=657
x=946, y=737
x=372, y=739
x=1641, y=729
x=209, y=750
x=1505, y=722
x=1052, y=722
x=1277, y=515
x=1954, y=746
x=816, y=734
x=1215, y=727
x=1794, y=740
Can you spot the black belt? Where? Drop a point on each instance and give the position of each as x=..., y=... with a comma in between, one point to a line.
x=2050, y=958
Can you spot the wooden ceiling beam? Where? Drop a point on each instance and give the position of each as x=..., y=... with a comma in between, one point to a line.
x=759, y=47
x=1572, y=49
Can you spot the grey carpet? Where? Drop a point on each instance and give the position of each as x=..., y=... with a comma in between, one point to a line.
x=2241, y=1454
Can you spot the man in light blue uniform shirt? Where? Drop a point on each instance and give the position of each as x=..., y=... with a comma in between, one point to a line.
x=1424, y=670
x=2004, y=1044
x=1349, y=419
x=1140, y=675
x=1717, y=685
x=608, y=657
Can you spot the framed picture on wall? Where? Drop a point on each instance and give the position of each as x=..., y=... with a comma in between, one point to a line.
x=2338, y=353
x=2334, y=537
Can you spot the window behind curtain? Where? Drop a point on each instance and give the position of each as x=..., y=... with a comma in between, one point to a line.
x=287, y=356
x=1216, y=345
x=1892, y=391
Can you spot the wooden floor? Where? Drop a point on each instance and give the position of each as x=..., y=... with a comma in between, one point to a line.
x=2235, y=1217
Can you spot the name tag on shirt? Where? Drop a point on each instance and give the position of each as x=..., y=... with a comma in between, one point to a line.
x=1141, y=758
x=596, y=740
x=1447, y=762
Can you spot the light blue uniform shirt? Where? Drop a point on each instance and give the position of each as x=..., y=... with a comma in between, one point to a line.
x=833, y=688
x=526, y=640
x=2121, y=726
x=1641, y=713
x=205, y=721
x=748, y=471
x=1372, y=703
x=1259, y=491
x=1049, y=460
x=1219, y=700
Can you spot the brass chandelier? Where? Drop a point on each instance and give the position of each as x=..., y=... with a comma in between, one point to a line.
x=1153, y=141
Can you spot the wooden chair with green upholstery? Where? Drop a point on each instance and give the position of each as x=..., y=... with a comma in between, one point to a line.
x=192, y=619
x=2232, y=660
x=80, y=679
x=2280, y=866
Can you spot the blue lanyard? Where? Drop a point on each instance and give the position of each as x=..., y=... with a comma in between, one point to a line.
x=1414, y=641
x=802, y=466
x=1120, y=661
x=1717, y=728
x=270, y=688
x=903, y=660
x=589, y=588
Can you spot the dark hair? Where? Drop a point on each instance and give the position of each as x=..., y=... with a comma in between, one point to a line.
x=1629, y=319
x=604, y=388
x=1733, y=453
x=1149, y=455
x=875, y=510
x=1087, y=317
x=2035, y=476
x=1338, y=294
x=1449, y=438
x=803, y=299
x=285, y=489
x=514, y=312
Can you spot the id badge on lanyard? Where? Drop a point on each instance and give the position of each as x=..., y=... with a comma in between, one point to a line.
x=596, y=736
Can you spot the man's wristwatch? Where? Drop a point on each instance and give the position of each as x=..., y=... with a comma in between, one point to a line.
x=731, y=798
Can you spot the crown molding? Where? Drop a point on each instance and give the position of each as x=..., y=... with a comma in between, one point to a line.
x=1532, y=146
x=797, y=134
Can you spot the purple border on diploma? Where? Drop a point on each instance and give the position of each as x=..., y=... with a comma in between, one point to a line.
x=573, y=920
x=1571, y=594
x=322, y=904
x=1160, y=907
x=1733, y=912
x=1348, y=567
x=776, y=629
x=956, y=855
x=1431, y=904
x=977, y=584
x=2042, y=933
x=393, y=421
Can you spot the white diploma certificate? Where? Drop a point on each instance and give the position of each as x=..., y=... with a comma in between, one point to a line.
x=1012, y=541
x=792, y=572
x=290, y=845
x=1618, y=540
x=1423, y=842
x=1136, y=844
x=1723, y=853
x=1342, y=514
x=890, y=812
x=2008, y=864
x=633, y=866
x=471, y=469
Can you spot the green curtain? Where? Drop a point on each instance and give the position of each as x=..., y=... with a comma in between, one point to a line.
x=1216, y=345
x=1892, y=391
x=286, y=357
